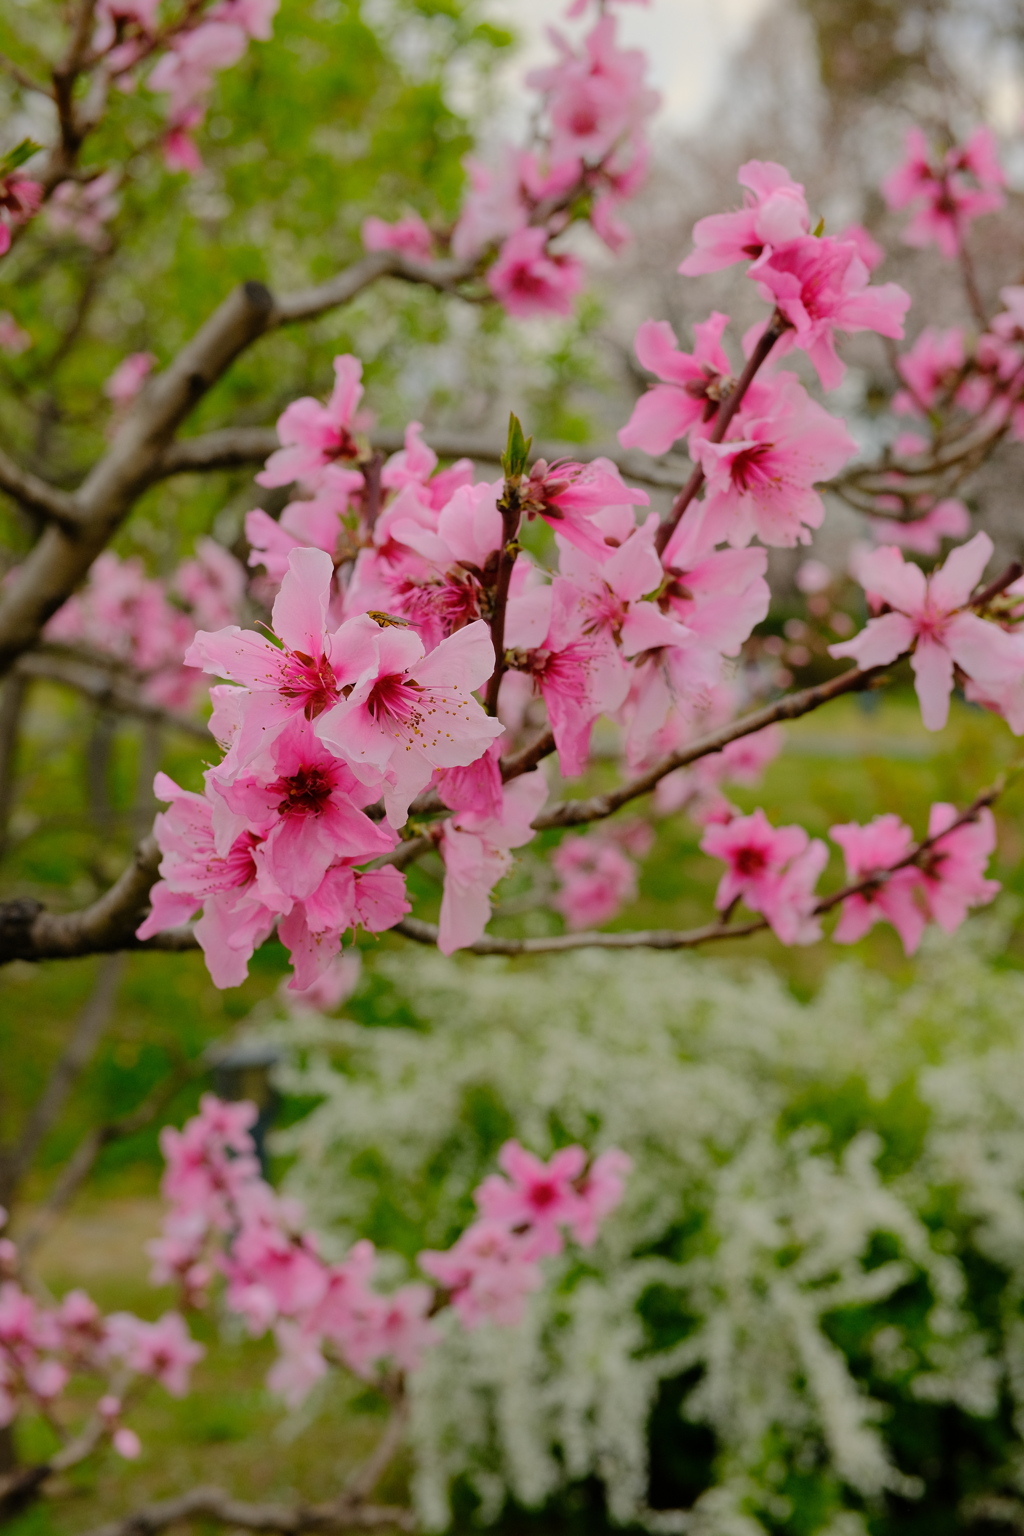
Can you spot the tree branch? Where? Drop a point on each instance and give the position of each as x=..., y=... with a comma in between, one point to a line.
x=29, y=932
x=106, y=685
x=572, y=813
x=651, y=938
x=288, y=1520
x=238, y=447
x=37, y=495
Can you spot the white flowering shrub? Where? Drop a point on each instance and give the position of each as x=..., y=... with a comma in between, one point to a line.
x=806, y=1315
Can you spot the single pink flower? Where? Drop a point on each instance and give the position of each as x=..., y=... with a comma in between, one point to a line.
x=774, y=213
x=930, y=368
x=541, y=1197
x=20, y=200
x=301, y=803
x=597, y=880
x=772, y=869
x=874, y=849
x=953, y=871
x=314, y=436
x=948, y=519
x=567, y=495
x=931, y=617
x=128, y=378
x=694, y=384
x=408, y=235
x=600, y=1190
x=476, y=849
x=14, y=339
x=527, y=279
x=302, y=676
x=821, y=286
x=762, y=483
x=409, y=713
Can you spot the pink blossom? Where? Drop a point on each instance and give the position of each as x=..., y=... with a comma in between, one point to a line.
x=821, y=287
x=568, y=495
x=186, y=71
x=931, y=617
x=163, y=1350
x=314, y=436
x=598, y=1193
x=128, y=378
x=774, y=213
x=528, y=280
x=489, y=1273
x=20, y=199
x=953, y=871
x=330, y=989
x=931, y=368
x=84, y=208
x=410, y=713
x=719, y=594
x=949, y=193
x=212, y=584
x=594, y=98
x=494, y=208
x=476, y=849
x=301, y=677
x=693, y=386
x=301, y=806
x=541, y=1197
x=373, y=899
x=236, y=918
x=253, y=16
x=948, y=519
x=597, y=880
x=126, y=1443
x=874, y=849
x=13, y=338
x=299, y=1365
x=579, y=676
x=773, y=869
x=762, y=483
x=868, y=248
x=408, y=235
x=314, y=523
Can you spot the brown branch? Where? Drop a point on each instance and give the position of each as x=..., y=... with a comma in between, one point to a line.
x=287, y=1519
x=13, y=693
x=239, y=447
x=723, y=421
x=572, y=813
x=37, y=496
x=29, y=932
x=651, y=938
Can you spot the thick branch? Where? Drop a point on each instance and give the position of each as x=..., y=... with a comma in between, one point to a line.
x=29, y=932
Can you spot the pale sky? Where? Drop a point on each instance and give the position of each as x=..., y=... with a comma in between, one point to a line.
x=687, y=41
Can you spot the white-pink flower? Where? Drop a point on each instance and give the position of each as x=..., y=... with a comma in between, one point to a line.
x=314, y=436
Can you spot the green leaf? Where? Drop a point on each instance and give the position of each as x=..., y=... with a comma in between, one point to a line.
x=819, y=228
x=17, y=156
x=517, y=451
